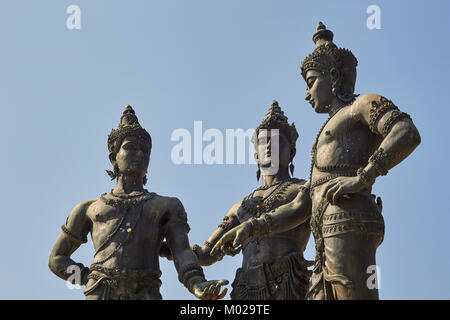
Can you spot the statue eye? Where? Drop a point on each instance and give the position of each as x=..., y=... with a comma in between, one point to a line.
x=129, y=146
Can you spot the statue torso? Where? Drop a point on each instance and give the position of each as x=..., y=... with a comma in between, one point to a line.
x=128, y=235
x=269, y=249
x=342, y=146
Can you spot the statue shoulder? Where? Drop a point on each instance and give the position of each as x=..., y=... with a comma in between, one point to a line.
x=78, y=222
x=371, y=102
x=81, y=209
x=300, y=184
x=168, y=203
x=372, y=108
x=168, y=206
x=173, y=212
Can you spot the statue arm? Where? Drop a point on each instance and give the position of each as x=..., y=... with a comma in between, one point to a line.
x=73, y=234
x=281, y=219
x=204, y=252
x=286, y=217
x=400, y=136
x=190, y=273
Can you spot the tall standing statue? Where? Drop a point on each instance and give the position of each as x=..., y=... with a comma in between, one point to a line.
x=128, y=226
x=273, y=266
x=362, y=139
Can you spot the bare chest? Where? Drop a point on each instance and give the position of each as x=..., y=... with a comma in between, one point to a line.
x=343, y=143
x=115, y=223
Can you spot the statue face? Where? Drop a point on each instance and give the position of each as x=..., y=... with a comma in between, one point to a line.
x=319, y=90
x=133, y=156
x=264, y=145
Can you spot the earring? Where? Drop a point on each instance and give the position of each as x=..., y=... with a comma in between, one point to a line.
x=258, y=173
x=291, y=168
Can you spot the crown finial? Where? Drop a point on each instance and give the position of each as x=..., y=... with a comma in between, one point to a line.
x=128, y=117
x=322, y=35
x=128, y=109
x=276, y=119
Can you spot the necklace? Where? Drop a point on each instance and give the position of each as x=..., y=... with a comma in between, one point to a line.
x=126, y=202
x=128, y=196
x=268, y=186
x=257, y=205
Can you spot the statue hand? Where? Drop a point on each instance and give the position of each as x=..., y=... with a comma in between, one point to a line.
x=340, y=186
x=209, y=290
x=231, y=240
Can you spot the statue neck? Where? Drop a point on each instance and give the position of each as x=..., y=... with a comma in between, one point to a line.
x=127, y=184
x=335, y=106
x=282, y=175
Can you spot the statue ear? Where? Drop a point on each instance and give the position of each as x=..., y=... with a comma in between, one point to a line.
x=335, y=75
x=256, y=157
x=293, y=153
x=112, y=158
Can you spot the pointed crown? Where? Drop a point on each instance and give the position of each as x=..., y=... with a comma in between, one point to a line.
x=326, y=56
x=275, y=119
x=128, y=126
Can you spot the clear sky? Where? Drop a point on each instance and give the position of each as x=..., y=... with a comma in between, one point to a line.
x=222, y=63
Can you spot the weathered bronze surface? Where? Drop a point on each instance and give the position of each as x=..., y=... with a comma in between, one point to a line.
x=128, y=226
x=273, y=266
x=362, y=139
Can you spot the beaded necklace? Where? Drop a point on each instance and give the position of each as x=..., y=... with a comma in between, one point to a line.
x=257, y=205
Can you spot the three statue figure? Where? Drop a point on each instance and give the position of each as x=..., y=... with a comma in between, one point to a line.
x=363, y=138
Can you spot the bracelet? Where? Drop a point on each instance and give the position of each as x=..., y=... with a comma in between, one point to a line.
x=362, y=174
x=376, y=159
x=188, y=272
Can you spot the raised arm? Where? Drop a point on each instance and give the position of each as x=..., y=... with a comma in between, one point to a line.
x=73, y=234
x=281, y=219
x=204, y=252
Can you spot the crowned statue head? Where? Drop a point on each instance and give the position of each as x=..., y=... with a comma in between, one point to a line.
x=129, y=147
x=333, y=67
x=275, y=128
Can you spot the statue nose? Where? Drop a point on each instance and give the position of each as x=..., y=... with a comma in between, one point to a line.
x=307, y=96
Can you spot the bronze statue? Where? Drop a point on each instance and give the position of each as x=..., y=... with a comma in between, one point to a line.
x=128, y=227
x=362, y=139
x=273, y=266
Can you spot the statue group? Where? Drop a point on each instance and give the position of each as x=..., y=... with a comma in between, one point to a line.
x=131, y=228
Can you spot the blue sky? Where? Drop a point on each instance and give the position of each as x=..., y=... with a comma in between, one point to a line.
x=221, y=62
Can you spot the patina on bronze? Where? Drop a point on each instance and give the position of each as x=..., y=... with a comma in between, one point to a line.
x=362, y=139
x=273, y=266
x=128, y=226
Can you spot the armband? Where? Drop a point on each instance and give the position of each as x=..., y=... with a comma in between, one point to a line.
x=377, y=110
x=73, y=236
x=393, y=118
